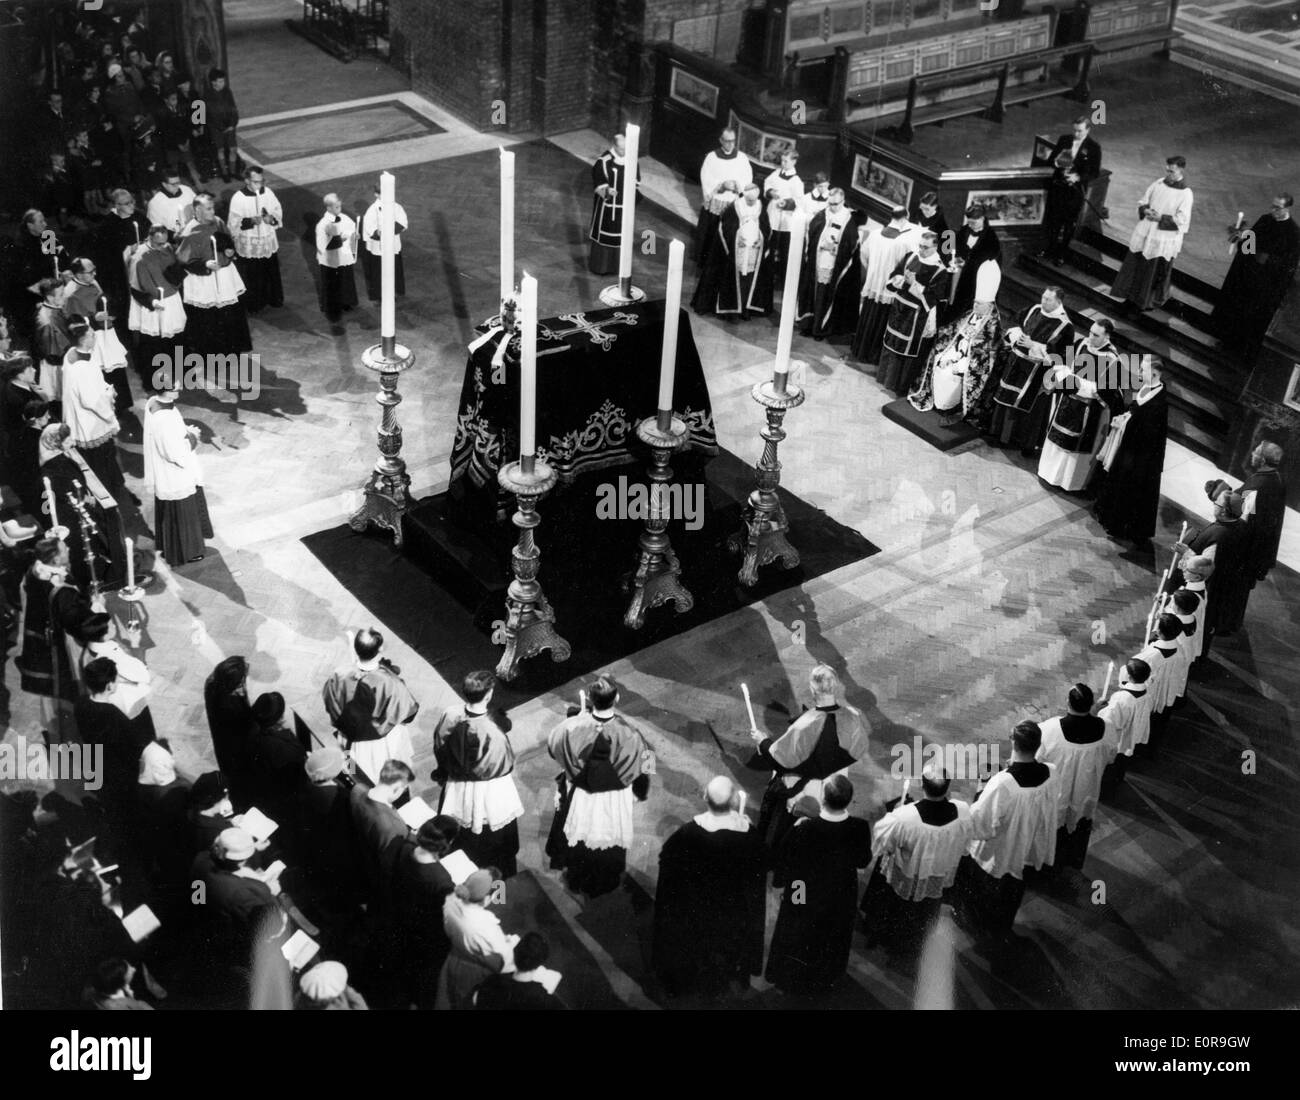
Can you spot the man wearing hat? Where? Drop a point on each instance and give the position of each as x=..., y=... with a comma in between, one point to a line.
x=325, y=986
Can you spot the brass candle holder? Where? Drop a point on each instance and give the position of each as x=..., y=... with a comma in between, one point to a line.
x=763, y=539
x=387, y=492
x=530, y=622
x=657, y=577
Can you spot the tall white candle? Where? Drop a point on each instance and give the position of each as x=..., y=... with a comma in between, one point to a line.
x=528, y=366
x=744, y=690
x=790, y=294
x=632, y=136
x=130, y=562
x=672, y=310
x=507, y=224
x=49, y=499
x=387, y=235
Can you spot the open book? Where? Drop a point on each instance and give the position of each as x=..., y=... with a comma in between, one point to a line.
x=299, y=949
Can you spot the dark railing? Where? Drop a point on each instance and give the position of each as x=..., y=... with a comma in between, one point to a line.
x=346, y=30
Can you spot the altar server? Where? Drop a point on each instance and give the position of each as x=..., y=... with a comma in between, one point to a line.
x=216, y=321
x=1078, y=745
x=818, y=862
x=920, y=284
x=88, y=408
x=371, y=707
x=1133, y=460
x=604, y=760
x=918, y=847
x=372, y=223
x=825, y=741
x=336, y=245
x=606, y=230
x=831, y=279
x=1127, y=713
x=709, y=900
x=475, y=762
x=736, y=276
x=962, y=368
x=784, y=191
x=1164, y=216
x=1015, y=818
x=1085, y=394
x=1160, y=654
x=881, y=254
x=254, y=216
x=1184, y=605
x=173, y=474
x=172, y=205
x=1033, y=347
x=723, y=174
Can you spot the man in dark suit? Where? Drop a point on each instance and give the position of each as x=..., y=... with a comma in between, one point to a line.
x=1076, y=159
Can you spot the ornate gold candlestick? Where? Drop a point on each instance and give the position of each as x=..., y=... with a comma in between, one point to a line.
x=657, y=578
x=530, y=622
x=764, y=540
x=388, y=489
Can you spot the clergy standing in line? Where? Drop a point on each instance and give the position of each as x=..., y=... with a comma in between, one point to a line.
x=1267, y=255
x=52, y=337
x=172, y=474
x=112, y=243
x=1085, y=394
x=962, y=367
x=1161, y=654
x=1185, y=606
x=475, y=765
x=818, y=862
x=920, y=285
x=918, y=847
x=1225, y=542
x=607, y=207
x=83, y=295
x=1164, y=216
x=880, y=254
x=831, y=280
x=784, y=191
x=1015, y=818
x=1127, y=715
x=216, y=322
x=1078, y=745
x=1133, y=461
x=172, y=205
x=736, y=276
x=604, y=758
x=371, y=707
x=976, y=242
x=1263, y=508
x=372, y=248
x=157, y=310
x=88, y=408
x=709, y=900
x=723, y=174
x=336, y=255
x=254, y=217
x=1033, y=347
x=820, y=743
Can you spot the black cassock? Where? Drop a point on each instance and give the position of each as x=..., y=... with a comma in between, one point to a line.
x=709, y=909
x=1128, y=497
x=972, y=249
x=1229, y=585
x=818, y=860
x=1264, y=528
x=827, y=309
x=606, y=214
x=1257, y=282
x=108, y=246
x=722, y=288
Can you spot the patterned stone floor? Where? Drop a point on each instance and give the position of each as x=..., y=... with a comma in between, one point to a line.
x=991, y=595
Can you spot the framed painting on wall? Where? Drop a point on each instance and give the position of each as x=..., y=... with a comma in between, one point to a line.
x=887, y=187
x=690, y=91
x=1010, y=208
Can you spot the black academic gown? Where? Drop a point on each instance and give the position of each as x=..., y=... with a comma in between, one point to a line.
x=828, y=309
x=112, y=237
x=1264, y=528
x=1257, y=282
x=1128, y=495
x=709, y=909
x=818, y=860
x=1228, y=588
x=985, y=246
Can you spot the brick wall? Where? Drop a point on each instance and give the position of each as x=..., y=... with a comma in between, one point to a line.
x=451, y=51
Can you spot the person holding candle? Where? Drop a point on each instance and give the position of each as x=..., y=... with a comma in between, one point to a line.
x=603, y=758
x=1164, y=217
x=736, y=276
x=52, y=337
x=172, y=205
x=825, y=741
x=1133, y=460
x=831, y=280
x=1263, y=508
x=1264, y=263
x=83, y=296
x=607, y=207
x=372, y=224
x=157, y=312
x=254, y=216
x=723, y=174
x=1226, y=543
x=336, y=254
x=88, y=408
x=1079, y=745
x=173, y=475
x=217, y=323
x=920, y=285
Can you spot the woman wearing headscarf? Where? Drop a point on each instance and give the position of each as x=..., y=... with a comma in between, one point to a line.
x=230, y=721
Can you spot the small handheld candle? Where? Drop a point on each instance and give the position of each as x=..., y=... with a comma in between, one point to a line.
x=749, y=706
x=528, y=367
x=1105, y=688
x=130, y=561
x=49, y=500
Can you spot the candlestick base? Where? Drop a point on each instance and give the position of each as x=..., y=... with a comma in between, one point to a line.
x=614, y=296
x=133, y=627
x=387, y=492
x=763, y=539
x=529, y=626
x=657, y=577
